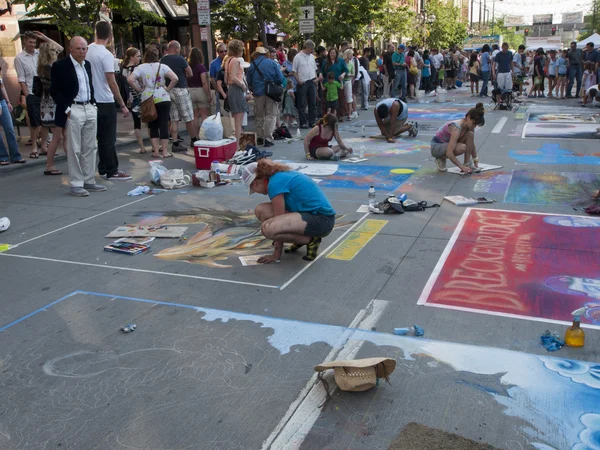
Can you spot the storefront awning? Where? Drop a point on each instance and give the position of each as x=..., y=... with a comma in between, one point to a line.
x=151, y=7
x=174, y=10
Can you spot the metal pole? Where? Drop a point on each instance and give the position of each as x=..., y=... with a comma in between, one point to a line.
x=484, y=13
x=493, y=14
x=479, y=15
x=471, y=14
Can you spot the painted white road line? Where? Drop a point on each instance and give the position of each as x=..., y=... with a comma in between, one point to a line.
x=324, y=252
x=304, y=411
x=129, y=269
x=498, y=128
x=81, y=221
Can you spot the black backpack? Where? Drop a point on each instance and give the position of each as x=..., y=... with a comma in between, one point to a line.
x=123, y=85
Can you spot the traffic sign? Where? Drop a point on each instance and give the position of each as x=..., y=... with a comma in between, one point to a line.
x=203, y=17
x=307, y=13
x=307, y=26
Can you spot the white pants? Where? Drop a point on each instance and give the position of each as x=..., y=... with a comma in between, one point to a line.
x=387, y=84
x=504, y=81
x=82, y=145
x=348, y=92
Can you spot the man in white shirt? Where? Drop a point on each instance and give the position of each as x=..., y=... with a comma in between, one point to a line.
x=304, y=69
x=420, y=64
x=436, y=59
x=26, y=66
x=106, y=92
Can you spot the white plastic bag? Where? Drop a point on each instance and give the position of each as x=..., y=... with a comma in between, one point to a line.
x=212, y=128
x=156, y=170
x=174, y=179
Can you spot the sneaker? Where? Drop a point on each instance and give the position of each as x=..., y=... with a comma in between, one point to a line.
x=471, y=166
x=119, y=176
x=179, y=138
x=192, y=141
x=294, y=123
x=103, y=176
x=177, y=147
x=354, y=115
x=441, y=165
x=260, y=141
x=94, y=187
x=312, y=248
x=268, y=143
x=79, y=192
x=414, y=130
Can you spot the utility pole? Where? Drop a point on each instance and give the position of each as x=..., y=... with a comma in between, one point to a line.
x=471, y=14
x=480, y=15
x=493, y=14
x=485, y=13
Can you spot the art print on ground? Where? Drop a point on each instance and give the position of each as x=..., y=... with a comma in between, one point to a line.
x=503, y=263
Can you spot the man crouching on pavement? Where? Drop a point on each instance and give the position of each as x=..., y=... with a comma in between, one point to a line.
x=391, y=115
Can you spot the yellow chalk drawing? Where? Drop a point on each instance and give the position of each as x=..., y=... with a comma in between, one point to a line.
x=355, y=241
x=402, y=171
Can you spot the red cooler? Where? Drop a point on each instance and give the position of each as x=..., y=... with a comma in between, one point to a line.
x=208, y=151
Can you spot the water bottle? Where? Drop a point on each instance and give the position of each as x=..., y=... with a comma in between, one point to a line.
x=402, y=197
x=298, y=134
x=372, y=196
x=361, y=152
x=364, y=131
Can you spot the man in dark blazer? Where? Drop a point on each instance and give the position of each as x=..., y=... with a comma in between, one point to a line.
x=72, y=89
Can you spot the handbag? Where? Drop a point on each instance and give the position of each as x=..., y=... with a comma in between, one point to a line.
x=273, y=90
x=148, y=111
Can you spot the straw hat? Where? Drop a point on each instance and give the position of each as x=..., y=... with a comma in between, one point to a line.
x=359, y=374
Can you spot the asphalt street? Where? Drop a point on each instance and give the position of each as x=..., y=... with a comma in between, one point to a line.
x=223, y=355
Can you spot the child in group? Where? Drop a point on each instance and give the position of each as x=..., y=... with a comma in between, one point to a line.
x=551, y=70
x=474, y=66
x=290, y=112
x=562, y=74
x=426, y=72
x=316, y=142
x=589, y=78
x=331, y=96
x=441, y=74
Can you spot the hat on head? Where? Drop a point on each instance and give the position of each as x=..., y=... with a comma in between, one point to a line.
x=360, y=374
x=401, y=46
x=262, y=50
x=249, y=175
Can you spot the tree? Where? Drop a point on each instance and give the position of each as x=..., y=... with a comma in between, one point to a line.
x=448, y=28
x=508, y=34
x=243, y=19
x=78, y=17
x=334, y=21
x=393, y=21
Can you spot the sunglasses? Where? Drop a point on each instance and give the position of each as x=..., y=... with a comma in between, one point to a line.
x=222, y=51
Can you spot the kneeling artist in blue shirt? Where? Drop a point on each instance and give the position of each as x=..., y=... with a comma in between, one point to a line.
x=299, y=212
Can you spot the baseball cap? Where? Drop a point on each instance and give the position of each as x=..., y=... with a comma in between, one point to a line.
x=402, y=46
x=262, y=50
x=249, y=175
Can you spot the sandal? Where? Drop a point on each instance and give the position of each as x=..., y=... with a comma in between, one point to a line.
x=156, y=155
x=142, y=152
x=167, y=155
x=19, y=161
x=29, y=142
x=52, y=172
x=34, y=155
x=4, y=163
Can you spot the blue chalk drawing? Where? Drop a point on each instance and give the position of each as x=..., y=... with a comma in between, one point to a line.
x=361, y=177
x=558, y=399
x=554, y=154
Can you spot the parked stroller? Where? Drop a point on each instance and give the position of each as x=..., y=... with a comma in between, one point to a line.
x=506, y=99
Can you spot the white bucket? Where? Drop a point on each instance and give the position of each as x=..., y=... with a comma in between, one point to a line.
x=441, y=97
x=420, y=96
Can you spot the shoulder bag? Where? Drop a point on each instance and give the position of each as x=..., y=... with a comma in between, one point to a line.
x=148, y=111
x=273, y=90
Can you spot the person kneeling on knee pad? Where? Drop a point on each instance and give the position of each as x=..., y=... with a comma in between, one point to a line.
x=299, y=212
x=316, y=142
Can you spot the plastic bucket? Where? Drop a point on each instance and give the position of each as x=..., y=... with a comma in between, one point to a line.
x=441, y=97
x=420, y=96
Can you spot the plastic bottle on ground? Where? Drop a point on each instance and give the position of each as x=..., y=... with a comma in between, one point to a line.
x=371, y=196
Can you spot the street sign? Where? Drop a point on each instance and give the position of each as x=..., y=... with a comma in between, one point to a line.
x=203, y=4
x=307, y=13
x=307, y=26
x=203, y=17
x=204, y=34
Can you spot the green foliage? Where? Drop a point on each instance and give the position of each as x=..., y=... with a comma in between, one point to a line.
x=394, y=21
x=508, y=34
x=335, y=21
x=448, y=28
x=78, y=17
x=243, y=19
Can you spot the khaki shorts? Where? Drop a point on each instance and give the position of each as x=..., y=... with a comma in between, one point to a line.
x=181, y=105
x=199, y=98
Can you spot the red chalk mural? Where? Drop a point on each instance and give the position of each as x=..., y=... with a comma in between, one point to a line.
x=528, y=265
